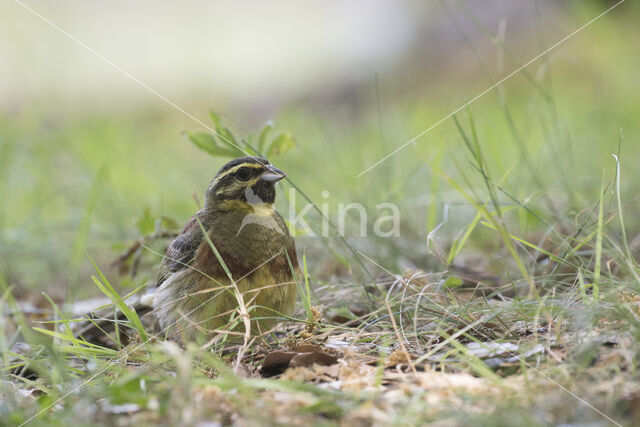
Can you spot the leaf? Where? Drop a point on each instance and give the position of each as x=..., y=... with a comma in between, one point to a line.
x=262, y=137
x=223, y=143
x=227, y=137
x=281, y=144
x=452, y=282
x=276, y=362
x=146, y=222
x=206, y=142
x=127, y=390
x=215, y=118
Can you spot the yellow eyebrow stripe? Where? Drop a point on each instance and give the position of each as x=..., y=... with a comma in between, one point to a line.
x=235, y=168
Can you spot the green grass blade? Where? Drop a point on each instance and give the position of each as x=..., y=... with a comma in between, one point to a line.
x=105, y=286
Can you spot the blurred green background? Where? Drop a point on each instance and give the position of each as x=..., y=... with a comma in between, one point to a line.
x=87, y=151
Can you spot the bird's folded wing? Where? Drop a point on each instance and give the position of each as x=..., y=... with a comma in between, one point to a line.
x=182, y=250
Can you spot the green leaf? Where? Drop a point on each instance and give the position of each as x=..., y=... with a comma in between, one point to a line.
x=215, y=118
x=227, y=137
x=452, y=282
x=206, y=142
x=146, y=222
x=128, y=390
x=282, y=143
x=263, y=136
x=223, y=143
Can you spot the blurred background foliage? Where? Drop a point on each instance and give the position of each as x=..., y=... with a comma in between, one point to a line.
x=90, y=159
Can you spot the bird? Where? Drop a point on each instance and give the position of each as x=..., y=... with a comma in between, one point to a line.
x=237, y=243
x=234, y=254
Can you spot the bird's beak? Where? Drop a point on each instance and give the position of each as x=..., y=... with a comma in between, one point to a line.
x=272, y=174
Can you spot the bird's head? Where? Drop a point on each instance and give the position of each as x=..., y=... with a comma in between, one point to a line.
x=247, y=180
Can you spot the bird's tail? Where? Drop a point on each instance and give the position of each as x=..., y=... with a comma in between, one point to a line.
x=109, y=327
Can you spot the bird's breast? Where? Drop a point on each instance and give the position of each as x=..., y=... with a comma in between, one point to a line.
x=246, y=243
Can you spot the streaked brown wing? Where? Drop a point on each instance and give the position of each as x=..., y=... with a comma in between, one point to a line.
x=182, y=250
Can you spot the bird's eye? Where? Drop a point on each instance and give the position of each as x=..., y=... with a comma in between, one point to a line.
x=243, y=174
